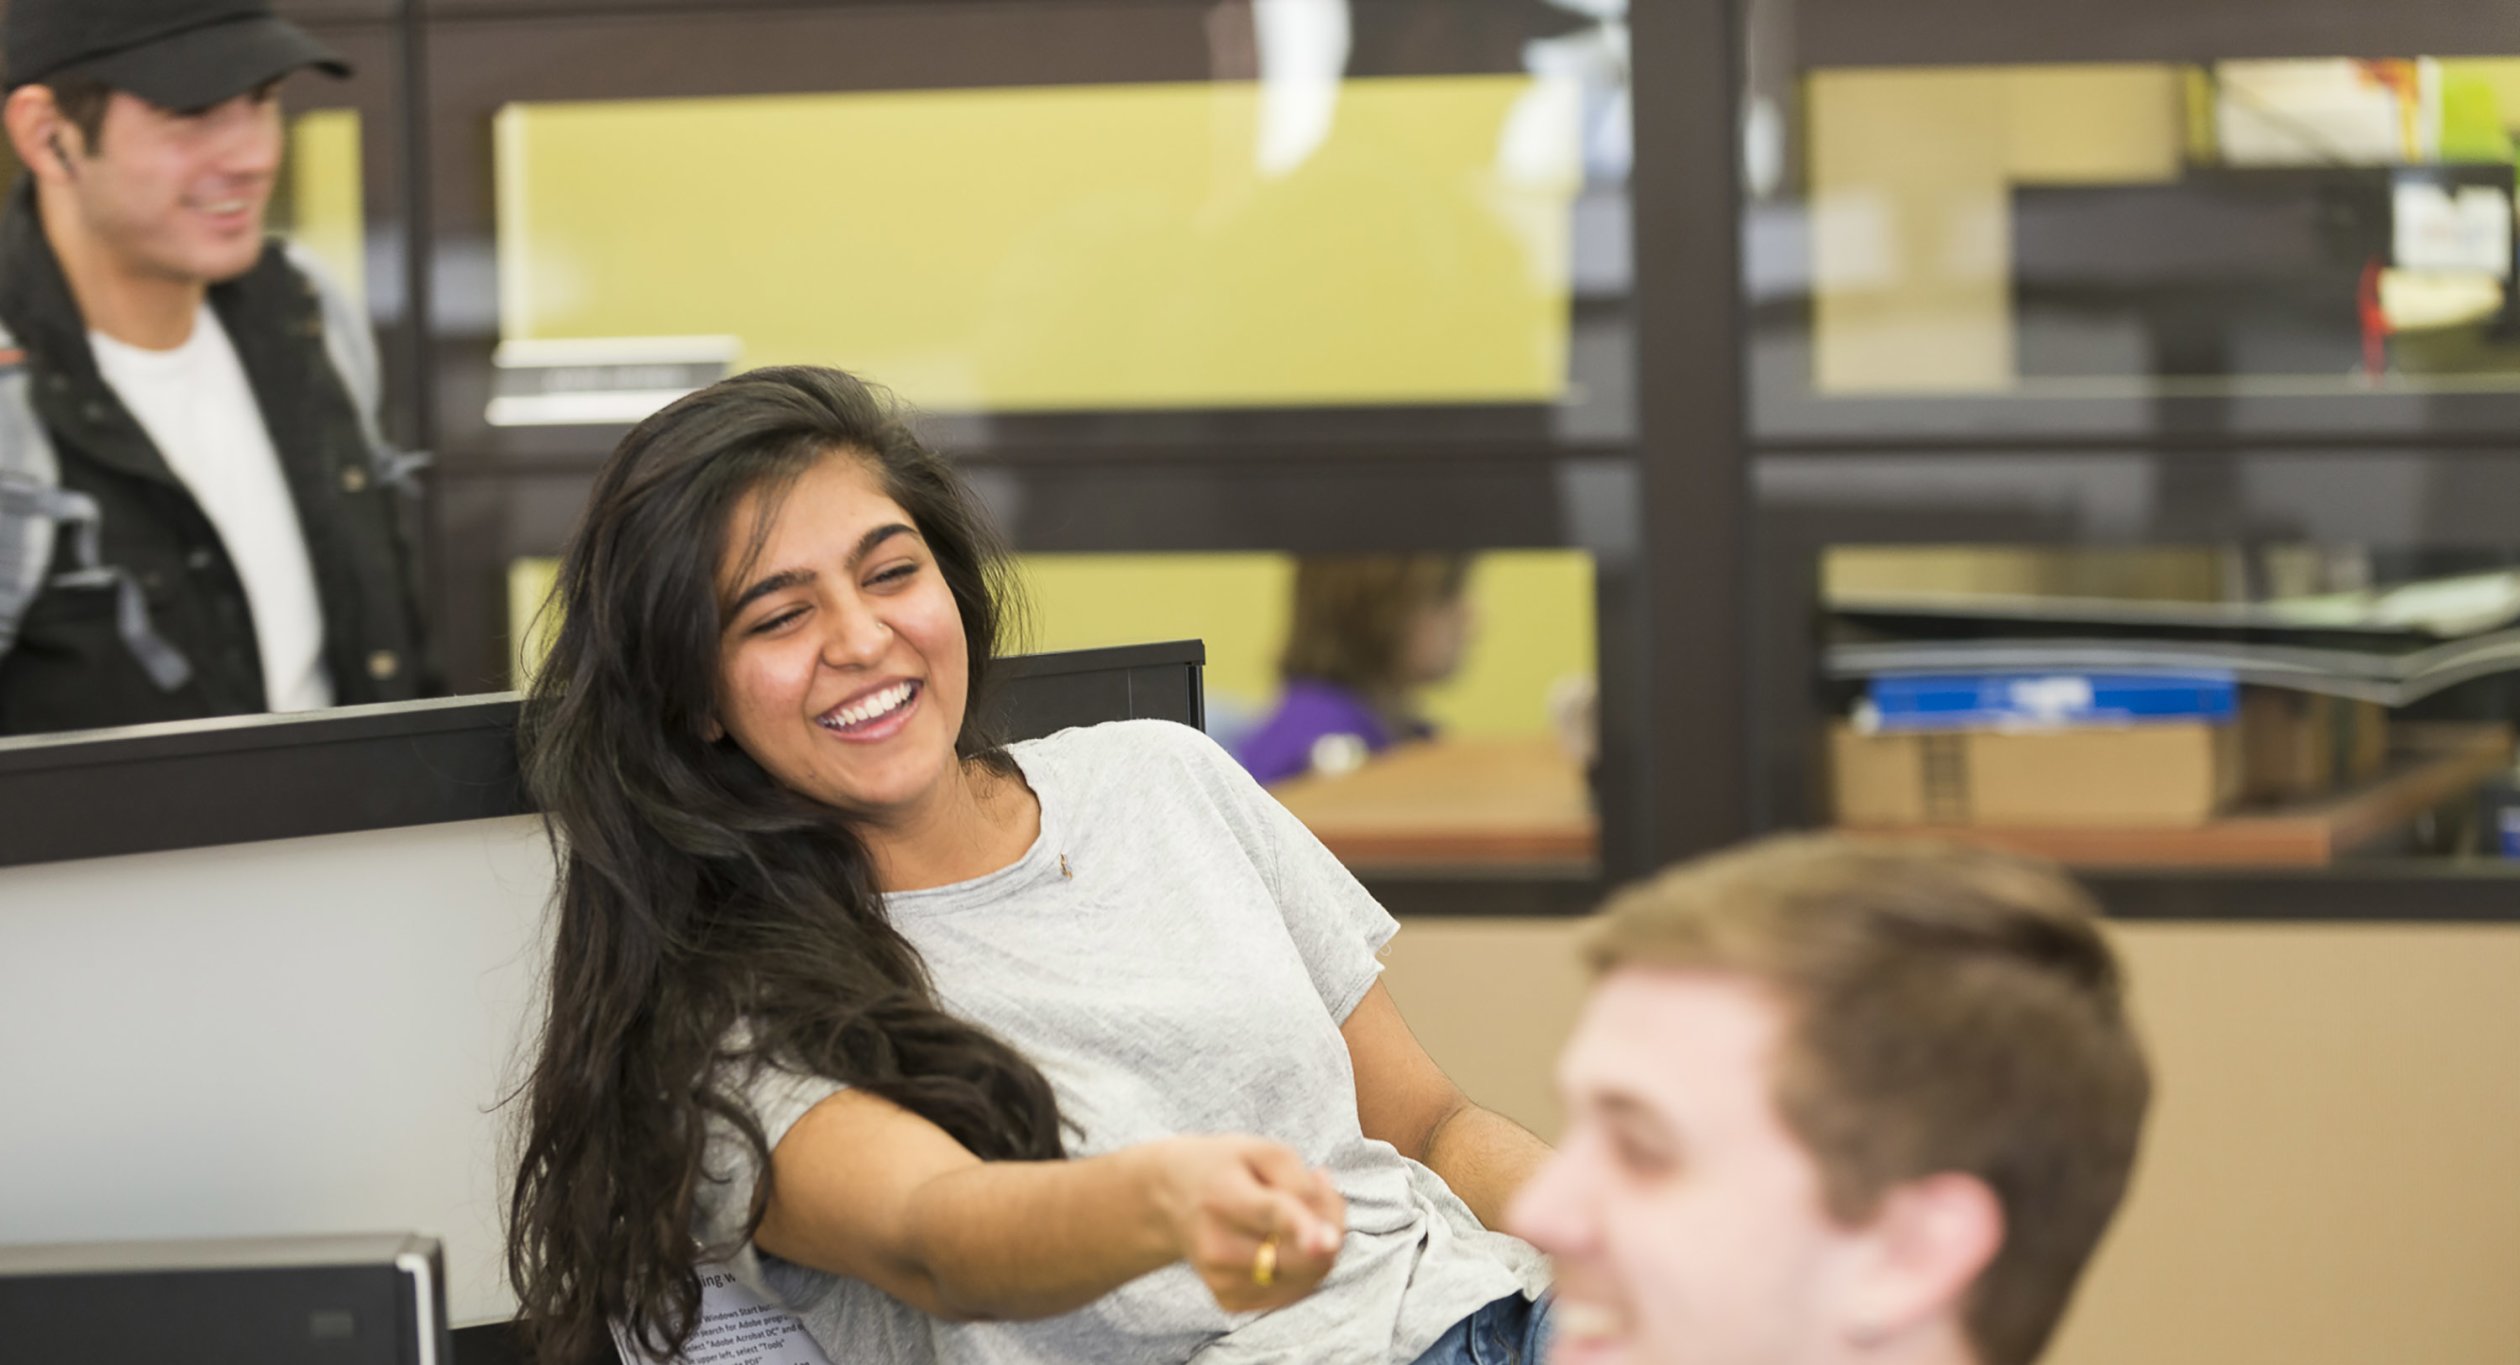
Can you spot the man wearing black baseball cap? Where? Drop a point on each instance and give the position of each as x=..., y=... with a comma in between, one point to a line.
x=176, y=56
x=188, y=434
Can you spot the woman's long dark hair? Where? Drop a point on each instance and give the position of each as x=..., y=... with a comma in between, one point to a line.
x=708, y=919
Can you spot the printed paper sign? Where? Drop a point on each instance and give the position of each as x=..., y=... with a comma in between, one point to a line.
x=737, y=1327
x=2468, y=231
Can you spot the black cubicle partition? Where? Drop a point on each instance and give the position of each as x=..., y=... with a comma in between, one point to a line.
x=200, y=784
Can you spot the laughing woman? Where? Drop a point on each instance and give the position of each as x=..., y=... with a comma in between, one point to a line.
x=1068, y=1050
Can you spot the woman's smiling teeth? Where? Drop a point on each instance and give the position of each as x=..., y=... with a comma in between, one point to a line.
x=872, y=706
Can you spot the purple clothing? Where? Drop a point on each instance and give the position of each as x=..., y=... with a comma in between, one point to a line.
x=1310, y=709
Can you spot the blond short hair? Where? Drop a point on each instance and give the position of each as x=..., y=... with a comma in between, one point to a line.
x=1949, y=1010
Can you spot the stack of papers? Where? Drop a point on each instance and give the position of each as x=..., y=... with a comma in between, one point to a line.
x=2391, y=646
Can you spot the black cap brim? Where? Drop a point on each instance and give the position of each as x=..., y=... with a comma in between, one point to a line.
x=210, y=65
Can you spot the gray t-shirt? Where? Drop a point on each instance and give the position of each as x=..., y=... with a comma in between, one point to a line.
x=1176, y=953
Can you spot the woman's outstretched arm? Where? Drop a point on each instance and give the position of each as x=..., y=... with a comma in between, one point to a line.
x=1405, y=1099
x=866, y=1189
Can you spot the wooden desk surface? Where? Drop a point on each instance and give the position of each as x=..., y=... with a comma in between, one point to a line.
x=1491, y=803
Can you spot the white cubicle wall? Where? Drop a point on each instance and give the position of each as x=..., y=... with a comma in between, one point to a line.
x=298, y=1036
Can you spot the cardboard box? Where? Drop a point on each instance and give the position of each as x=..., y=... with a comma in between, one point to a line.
x=2300, y=746
x=2149, y=775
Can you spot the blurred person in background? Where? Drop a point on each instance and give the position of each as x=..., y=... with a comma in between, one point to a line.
x=1837, y=1102
x=197, y=514
x=1370, y=633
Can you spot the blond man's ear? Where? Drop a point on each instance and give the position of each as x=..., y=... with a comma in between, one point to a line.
x=1929, y=1241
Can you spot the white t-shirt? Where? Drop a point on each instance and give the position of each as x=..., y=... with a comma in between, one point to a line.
x=197, y=407
x=1176, y=953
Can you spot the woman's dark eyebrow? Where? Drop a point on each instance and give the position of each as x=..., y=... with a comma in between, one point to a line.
x=867, y=543
x=797, y=578
x=777, y=582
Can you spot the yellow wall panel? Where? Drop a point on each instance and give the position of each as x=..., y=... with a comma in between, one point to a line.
x=1535, y=610
x=1911, y=176
x=1069, y=247
x=2499, y=75
x=530, y=629
x=327, y=215
x=1536, y=626
x=1237, y=603
x=2096, y=124
x=1912, y=238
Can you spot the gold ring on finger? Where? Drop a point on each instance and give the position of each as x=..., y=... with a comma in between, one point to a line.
x=1264, y=1264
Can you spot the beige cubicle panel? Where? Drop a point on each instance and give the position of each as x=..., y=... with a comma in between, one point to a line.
x=301, y=1036
x=312, y=1035
x=1066, y=246
x=2330, y=1177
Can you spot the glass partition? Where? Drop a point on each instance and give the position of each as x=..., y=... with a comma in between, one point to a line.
x=1425, y=713
x=2269, y=705
x=1222, y=284
x=2203, y=248
x=1401, y=222
x=1232, y=244
x=321, y=200
x=2130, y=397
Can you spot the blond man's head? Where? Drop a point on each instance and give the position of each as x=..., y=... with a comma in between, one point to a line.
x=1837, y=1099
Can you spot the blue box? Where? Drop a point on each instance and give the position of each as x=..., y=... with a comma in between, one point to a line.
x=2048, y=701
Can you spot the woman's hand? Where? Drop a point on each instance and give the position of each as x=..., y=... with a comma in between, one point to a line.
x=865, y=1189
x=1226, y=1198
